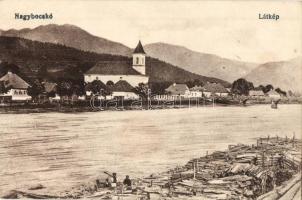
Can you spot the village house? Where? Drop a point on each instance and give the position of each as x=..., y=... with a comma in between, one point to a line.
x=122, y=89
x=273, y=94
x=113, y=71
x=256, y=93
x=178, y=91
x=17, y=88
x=51, y=90
x=196, y=91
x=214, y=89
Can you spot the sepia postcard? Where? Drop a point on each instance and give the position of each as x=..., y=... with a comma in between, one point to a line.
x=160, y=100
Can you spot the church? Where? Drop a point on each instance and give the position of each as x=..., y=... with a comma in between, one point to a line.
x=113, y=71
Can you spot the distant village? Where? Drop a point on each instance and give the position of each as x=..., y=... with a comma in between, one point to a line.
x=128, y=81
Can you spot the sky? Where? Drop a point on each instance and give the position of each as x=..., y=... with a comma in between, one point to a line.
x=226, y=28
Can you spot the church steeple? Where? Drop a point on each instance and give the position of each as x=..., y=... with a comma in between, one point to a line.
x=139, y=48
x=138, y=62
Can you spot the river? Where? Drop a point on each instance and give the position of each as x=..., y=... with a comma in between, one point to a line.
x=60, y=150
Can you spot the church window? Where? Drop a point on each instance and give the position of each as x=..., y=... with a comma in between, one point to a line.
x=137, y=60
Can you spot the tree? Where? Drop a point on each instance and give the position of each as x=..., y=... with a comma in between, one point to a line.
x=35, y=90
x=159, y=87
x=97, y=87
x=78, y=89
x=65, y=88
x=110, y=83
x=195, y=82
x=268, y=88
x=260, y=87
x=142, y=90
x=281, y=92
x=242, y=87
x=3, y=88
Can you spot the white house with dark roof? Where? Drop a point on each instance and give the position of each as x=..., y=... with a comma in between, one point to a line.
x=216, y=89
x=256, y=93
x=196, y=91
x=133, y=72
x=273, y=94
x=17, y=87
x=123, y=89
x=178, y=90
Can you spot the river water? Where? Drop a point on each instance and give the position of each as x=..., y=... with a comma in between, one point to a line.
x=60, y=150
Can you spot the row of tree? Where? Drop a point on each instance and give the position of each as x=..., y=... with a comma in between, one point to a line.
x=62, y=88
x=97, y=87
x=242, y=87
x=69, y=88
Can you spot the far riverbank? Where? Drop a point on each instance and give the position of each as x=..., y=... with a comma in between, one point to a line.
x=88, y=106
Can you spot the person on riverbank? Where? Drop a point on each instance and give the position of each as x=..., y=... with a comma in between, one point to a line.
x=107, y=182
x=113, y=180
x=127, y=182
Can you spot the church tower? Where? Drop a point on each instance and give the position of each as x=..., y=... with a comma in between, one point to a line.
x=139, y=59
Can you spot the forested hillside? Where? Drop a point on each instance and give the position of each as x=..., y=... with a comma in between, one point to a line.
x=54, y=61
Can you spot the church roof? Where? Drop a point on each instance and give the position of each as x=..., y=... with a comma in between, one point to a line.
x=14, y=81
x=113, y=68
x=139, y=48
x=122, y=86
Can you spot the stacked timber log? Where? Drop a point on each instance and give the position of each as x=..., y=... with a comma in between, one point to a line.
x=241, y=172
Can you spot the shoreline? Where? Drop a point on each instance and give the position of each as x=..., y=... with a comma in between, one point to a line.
x=237, y=172
x=56, y=108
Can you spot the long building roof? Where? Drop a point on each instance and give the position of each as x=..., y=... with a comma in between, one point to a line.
x=113, y=68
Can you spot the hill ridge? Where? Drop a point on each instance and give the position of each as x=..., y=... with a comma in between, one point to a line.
x=72, y=36
x=57, y=61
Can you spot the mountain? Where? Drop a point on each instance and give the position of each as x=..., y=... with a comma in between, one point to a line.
x=53, y=61
x=192, y=61
x=71, y=36
x=200, y=63
x=284, y=74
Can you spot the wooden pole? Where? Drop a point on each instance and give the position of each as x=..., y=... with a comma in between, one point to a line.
x=262, y=159
x=194, y=170
x=213, y=102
